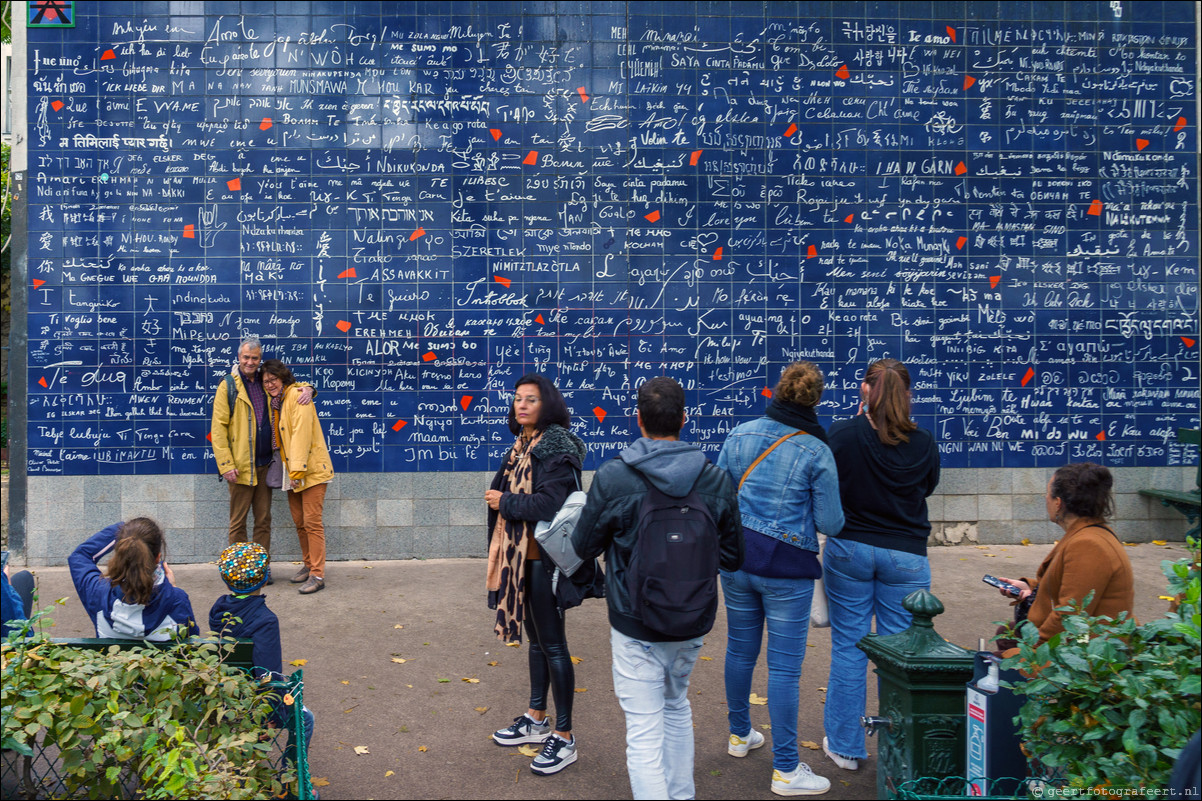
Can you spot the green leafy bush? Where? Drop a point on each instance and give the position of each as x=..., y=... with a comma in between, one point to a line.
x=1112, y=703
x=150, y=722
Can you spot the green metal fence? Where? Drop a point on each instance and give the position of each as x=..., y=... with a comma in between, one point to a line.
x=40, y=769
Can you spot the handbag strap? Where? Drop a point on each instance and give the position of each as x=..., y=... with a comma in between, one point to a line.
x=765, y=453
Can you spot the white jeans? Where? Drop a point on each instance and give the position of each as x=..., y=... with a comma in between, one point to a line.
x=651, y=680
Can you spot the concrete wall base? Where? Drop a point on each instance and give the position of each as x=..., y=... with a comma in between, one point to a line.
x=434, y=515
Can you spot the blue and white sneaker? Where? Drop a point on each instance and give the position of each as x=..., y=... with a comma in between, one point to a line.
x=525, y=729
x=556, y=755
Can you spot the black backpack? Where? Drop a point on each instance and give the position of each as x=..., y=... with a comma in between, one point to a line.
x=673, y=572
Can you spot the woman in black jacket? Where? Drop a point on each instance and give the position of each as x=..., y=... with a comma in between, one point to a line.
x=887, y=468
x=538, y=473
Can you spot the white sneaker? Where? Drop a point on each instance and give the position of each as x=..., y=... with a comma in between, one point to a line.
x=841, y=761
x=800, y=781
x=739, y=746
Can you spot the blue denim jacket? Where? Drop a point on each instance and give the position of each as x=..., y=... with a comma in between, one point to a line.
x=792, y=492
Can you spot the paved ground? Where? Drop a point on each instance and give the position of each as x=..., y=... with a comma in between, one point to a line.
x=432, y=615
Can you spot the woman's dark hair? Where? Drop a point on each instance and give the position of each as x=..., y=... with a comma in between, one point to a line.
x=553, y=411
x=889, y=400
x=1084, y=489
x=661, y=407
x=278, y=369
x=135, y=558
x=800, y=383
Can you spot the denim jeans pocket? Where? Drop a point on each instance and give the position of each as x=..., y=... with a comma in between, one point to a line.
x=837, y=550
x=908, y=562
x=686, y=657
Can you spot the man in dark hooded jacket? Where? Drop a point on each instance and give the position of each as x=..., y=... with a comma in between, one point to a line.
x=650, y=668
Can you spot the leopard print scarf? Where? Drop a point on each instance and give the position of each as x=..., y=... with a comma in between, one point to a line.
x=507, y=551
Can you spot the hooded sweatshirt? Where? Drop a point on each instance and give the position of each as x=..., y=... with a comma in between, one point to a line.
x=168, y=609
x=884, y=487
x=609, y=521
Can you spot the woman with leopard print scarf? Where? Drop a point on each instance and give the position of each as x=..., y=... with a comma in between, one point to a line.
x=538, y=473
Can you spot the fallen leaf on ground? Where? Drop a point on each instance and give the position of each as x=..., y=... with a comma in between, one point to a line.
x=715, y=773
x=367, y=567
x=317, y=781
x=513, y=644
x=388, y=773
x=1159, y=542
x=766, y=726
x=422, y=748
x=493, y=663
x=471, y=681
x=755, y=699
x=299, y=662
x=398, y=626
x=1131, y=544
x=528, y=750
x=443, y=681
x=811, y=745
x=1166, y=597
x=1025, y=541
x=346, y=682
x=990, y=555
x=361, y=749
x=399, y=660
x=845, y=783
x=582, y=689
x=481, y=709
x=821, y=689
x=576, y=660
x=706, y=658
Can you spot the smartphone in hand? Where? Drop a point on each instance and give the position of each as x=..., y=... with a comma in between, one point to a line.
x=1005, y=586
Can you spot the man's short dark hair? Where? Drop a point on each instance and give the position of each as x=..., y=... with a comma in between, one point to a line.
x=661, y=407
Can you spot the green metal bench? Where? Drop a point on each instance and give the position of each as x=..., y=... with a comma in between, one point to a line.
x=1187, y=503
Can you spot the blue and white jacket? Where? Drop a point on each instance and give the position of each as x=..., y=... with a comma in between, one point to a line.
x=793, y=492
x=169, y=606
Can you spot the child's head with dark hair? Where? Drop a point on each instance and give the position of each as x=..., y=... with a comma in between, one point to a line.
x=553, y=410
x=661, y=407
x=1084, y=489
x=136, y=557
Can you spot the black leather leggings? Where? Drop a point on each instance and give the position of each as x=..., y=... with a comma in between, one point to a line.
x=550, y=661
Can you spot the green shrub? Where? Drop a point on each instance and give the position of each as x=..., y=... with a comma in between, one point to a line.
x=1112, y=703
x=162, y=723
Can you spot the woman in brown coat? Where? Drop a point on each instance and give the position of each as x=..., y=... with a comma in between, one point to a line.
x=1089, y=557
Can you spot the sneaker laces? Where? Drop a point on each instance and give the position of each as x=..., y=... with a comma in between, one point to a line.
x=551, y=747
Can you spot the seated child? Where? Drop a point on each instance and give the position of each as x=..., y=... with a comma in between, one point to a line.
x=244, y=615
x=137, y=596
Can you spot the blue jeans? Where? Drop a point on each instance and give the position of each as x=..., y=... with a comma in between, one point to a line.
x=785, y=604
x=861, y=580
x=651, y=680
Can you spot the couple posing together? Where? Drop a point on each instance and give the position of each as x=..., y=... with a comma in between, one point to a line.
x=778, y=482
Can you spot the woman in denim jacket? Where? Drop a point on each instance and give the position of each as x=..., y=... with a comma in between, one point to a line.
x=785, y=499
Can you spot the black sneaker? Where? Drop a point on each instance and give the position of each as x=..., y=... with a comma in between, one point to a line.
x=524, y=730
x=556, y=755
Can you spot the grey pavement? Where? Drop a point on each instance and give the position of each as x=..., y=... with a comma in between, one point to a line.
x=427, y=728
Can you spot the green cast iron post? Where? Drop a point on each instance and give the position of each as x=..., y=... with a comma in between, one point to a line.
x=921, y=722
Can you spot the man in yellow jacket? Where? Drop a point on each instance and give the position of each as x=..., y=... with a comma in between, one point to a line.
x=242, y=444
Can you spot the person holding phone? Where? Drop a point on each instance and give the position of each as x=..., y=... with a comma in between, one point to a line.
x=136, y=597
x=1088, y=559
x=888, y=466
